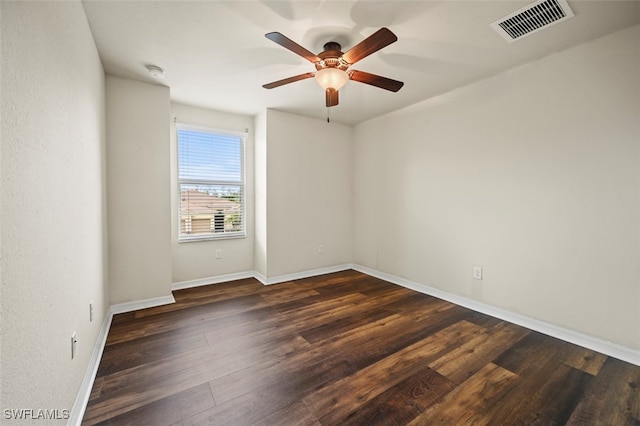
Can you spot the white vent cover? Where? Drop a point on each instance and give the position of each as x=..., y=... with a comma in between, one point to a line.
x=532, y=19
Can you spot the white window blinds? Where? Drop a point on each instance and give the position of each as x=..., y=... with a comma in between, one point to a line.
x=211, y=184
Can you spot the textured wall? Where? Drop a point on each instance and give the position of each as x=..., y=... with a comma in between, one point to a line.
x=533, y=174
x=53, y=209
x=139, y=190
x=260, y=194
x=308, y=193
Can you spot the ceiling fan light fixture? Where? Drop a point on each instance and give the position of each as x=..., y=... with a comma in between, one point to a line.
x=331, y=78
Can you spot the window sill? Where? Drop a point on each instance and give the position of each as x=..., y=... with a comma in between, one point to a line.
x=194, y=238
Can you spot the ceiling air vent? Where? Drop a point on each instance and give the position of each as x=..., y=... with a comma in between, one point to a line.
x=532, y=18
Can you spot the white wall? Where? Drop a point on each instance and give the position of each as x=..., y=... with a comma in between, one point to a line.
x=308, y=193
x=53, y=255
x=533, y=174
x=196, y=260
x=260, y=191
x=139, y=189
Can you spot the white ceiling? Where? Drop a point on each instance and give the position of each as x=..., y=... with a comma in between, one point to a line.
x=216, y=56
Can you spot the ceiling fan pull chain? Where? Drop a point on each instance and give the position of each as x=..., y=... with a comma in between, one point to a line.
x=328, y=114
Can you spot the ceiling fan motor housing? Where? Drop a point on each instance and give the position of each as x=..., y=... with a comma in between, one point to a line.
x=332, y=57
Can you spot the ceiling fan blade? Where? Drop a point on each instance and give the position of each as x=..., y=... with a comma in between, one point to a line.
x=375, y=80
x=287, y=43
x=288, y=80
x=376, y=41
x=332, y=97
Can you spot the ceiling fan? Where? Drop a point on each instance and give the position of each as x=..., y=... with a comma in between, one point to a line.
x=333, y=66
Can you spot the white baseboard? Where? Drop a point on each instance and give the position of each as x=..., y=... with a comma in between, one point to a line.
x=212, y=280
x=301, y=275
x=605, y=347
x=136, y=305
x=82, y=398
x=258, y=276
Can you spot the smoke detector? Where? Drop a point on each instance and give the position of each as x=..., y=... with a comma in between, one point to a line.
x=531, y=19
x=155, y=72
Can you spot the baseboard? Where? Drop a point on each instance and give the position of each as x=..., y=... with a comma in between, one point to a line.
x=82, y=398
x=121, y=308
x=212, y=280
x=258, y=276
x=605, y=347
x=301, y=275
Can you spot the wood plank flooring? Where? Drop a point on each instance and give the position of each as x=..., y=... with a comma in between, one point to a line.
x=346, y=349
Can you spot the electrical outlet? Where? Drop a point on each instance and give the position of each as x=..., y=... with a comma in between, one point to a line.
x=218, y=253
x=74, y=341
x=320, y=248
x=91, y=311
x=477, y=272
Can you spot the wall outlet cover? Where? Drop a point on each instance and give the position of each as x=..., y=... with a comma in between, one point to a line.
x=477, y=272
x=74, y=340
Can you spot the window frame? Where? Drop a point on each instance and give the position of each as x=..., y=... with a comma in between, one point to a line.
x=185, y=238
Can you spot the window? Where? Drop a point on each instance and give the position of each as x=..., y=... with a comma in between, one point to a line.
x=211, y=184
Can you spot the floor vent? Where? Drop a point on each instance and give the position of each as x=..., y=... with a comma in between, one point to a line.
x=532, y=19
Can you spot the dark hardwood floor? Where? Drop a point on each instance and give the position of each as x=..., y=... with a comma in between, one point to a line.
x=346, y=349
